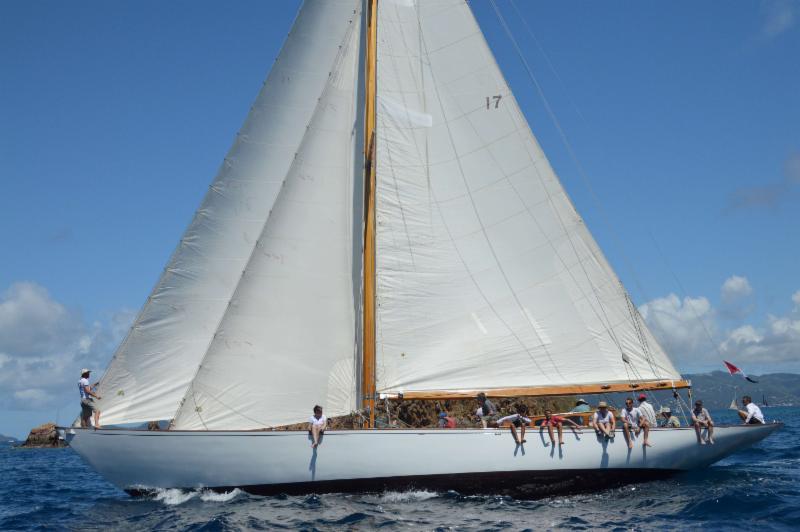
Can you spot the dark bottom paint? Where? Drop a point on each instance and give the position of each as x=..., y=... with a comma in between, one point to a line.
x=517, y=484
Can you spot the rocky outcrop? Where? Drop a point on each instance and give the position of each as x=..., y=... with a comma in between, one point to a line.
x=44, y=436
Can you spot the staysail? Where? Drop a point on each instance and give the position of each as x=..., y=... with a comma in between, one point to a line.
x=287, y=340
x=487, y=277
x=154, y=366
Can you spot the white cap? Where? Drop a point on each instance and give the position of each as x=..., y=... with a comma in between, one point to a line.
x=85, y=370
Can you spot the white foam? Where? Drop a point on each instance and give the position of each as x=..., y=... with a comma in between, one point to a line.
x=174, y=497
x=407, y=496
x=213, y=496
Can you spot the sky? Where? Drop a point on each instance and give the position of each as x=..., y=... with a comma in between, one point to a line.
x=674, y=127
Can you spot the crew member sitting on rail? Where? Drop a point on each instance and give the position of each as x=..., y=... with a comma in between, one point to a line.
x=517, y=420
x=648, y=418
x=551, y=421
x=603, y=421
x=752, y=415
x=668, y=420
x=631, y=422
x=317, y=425
x=702, y=419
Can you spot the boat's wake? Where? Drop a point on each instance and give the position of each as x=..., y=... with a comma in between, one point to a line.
x=175, y=497
x=407, y=496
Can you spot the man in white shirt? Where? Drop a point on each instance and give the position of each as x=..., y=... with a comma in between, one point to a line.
x=87, y=400
x=317, y=425
x=752, y=415
x=631, y=421
x=648, y=418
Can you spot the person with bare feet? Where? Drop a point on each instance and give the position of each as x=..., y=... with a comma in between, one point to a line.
x=551, y=421
x=603, y=421
x=317, y=425
x=517, y=421
x=752, y=414
x=702, y=419
x=631, y=422
x=88, y=395
x=648, y=418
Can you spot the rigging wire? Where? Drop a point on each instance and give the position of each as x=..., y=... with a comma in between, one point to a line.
x=608, y=325
x=685, y=294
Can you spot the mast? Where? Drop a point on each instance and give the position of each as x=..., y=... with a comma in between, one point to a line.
x=368, y=363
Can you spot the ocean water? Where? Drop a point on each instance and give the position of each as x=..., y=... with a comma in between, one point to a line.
x=52, y=489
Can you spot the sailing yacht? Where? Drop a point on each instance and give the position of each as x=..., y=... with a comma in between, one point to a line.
x=385, y=225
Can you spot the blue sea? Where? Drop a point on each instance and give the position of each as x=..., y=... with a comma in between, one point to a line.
x=53, y=489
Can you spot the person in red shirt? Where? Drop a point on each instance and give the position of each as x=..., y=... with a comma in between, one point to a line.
x=551, y=421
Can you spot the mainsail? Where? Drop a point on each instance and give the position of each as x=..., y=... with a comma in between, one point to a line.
x=486, y=277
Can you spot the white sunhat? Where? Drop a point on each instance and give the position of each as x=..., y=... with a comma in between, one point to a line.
x=85, y=370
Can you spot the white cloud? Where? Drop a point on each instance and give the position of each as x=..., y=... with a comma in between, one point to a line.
x=43, y=345
x=778, y=16
x=735, y=287
x=770, y=346
x=735, y=296
x=681, y=326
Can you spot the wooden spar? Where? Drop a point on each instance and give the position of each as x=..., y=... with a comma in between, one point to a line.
x=368, y=362
x=577, y=389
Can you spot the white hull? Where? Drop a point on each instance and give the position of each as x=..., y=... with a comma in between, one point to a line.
x=463, y=460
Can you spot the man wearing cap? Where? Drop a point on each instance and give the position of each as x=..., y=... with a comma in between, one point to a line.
x=603, y=420
x=700, y=419
x=87, y=400
x=648, y=418
x=669, y=421
x=581, y=406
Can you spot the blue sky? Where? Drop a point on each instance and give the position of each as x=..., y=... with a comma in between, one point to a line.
x=684, y=116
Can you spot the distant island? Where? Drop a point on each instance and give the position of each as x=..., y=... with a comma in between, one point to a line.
x=718, y=388
x=7, y=439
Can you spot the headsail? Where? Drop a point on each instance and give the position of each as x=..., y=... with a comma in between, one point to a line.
x=154, y=366
x=287, y=340
x=487, y=277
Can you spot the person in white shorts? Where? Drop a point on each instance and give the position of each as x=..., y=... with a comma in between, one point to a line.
x=603, y=421
x=317, y=425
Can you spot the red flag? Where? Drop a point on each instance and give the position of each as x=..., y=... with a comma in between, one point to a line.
x=734, y=371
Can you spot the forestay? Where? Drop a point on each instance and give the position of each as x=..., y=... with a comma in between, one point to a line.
x=487, y=277
x=288, y=338
x=152, y=369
